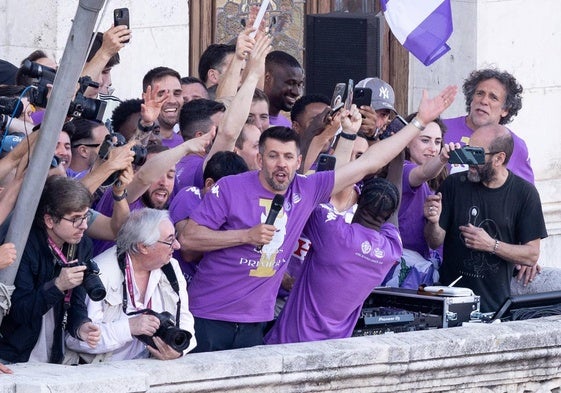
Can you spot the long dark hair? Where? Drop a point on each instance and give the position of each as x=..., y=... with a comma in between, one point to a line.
x=434, y=183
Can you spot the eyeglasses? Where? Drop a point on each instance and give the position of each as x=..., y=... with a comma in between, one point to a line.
x=87, y=144
x=78, y=221
x=169, y=244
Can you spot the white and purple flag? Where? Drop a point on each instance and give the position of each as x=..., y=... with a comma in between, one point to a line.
x=421, y=26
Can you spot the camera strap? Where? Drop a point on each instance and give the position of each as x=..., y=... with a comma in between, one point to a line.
x=130, y=285
x=167, y=269
x=172, y=278
x=64, y=260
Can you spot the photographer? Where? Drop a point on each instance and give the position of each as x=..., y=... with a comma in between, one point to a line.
x=49, y=298
x=138, y=291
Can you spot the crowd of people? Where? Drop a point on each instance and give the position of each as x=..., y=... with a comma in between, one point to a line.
x=156, y=234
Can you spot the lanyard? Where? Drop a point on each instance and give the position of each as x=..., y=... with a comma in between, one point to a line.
x=63, y=259
x=128, y=276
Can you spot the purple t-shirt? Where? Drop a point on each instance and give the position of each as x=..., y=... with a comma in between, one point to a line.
x=279, y=120
x=76, y=175
x=411, y=218
x=175, y=140
x=189, y=172
x=304, y=246
x=180, y=208
x=519, y=163
x=347, y=262
x=240, y=284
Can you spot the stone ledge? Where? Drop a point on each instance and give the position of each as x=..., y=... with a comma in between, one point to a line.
x=514, y=356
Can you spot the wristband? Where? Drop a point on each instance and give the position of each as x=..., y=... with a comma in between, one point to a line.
x=495, y=247
x=118, y=198
x=145, y=128
x=350, y=137
x=417, y=123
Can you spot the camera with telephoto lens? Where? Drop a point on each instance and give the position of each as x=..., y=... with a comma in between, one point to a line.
x=45, y=76
x=173, y=336
x=114, y=140
x=87, y=108
x=91, y=283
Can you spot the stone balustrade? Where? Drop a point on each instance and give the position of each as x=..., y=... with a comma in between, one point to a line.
x=522, y=356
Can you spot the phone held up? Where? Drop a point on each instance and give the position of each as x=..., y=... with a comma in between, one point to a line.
x=121, y=18
x=326, y=162
x=395, y=126
x=362, y=96
x=467, y=155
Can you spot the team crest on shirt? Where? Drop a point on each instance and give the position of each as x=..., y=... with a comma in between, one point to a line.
x=366, y=247
x=296, y=198
x=215, y=189
x=379, y=253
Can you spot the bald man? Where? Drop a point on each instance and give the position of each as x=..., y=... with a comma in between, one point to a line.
x=489, y=220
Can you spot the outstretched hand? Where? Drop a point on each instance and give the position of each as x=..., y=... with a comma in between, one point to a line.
x=200, y=145
x=256, y=61
x=154, y=99
x=431, y=108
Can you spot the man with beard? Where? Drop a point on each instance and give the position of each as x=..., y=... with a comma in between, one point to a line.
x=284, y=83
x=489, y=220
x=152, y=185
x=492, y=97
x=233, y=293
x=165, y=84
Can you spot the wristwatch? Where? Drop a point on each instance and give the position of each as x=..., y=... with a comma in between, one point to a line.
x=145, y=128
x=118, y=198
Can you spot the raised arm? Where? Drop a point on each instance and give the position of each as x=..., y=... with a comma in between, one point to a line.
x=113, y=42
x=322, y=130
x=228, y=84
x=431, y=169
x=163, y=162
x=381, y=153
x=106, y=228
x=118, y=159
x=395, y=174
x=237, y=113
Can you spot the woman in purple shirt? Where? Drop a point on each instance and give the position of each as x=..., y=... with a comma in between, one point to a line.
x=424, y=169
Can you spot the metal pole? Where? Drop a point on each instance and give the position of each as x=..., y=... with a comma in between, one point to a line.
x=64, y=89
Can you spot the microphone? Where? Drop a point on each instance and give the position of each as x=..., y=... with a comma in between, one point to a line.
x=274, y=211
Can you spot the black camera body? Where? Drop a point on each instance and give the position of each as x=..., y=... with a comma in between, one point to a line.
x=173, y=336
x=116, y=140
x=87, y=108
x=91, y=283
x=45, y=75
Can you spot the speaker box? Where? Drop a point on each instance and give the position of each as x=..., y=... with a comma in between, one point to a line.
x=341, y=46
